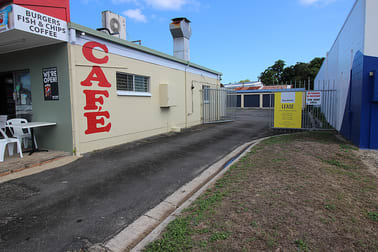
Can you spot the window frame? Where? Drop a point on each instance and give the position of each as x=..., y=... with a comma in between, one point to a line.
x=134, y=92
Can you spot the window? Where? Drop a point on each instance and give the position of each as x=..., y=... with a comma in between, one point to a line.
x=206, y=93
x=16, y=95
x=130, y=84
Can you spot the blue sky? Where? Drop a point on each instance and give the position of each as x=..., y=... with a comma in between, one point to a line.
x=239, y=38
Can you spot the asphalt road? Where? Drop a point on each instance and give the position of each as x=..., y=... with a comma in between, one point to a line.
x=92, y=199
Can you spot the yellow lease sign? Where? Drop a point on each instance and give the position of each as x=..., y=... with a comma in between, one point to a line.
x=288, y=110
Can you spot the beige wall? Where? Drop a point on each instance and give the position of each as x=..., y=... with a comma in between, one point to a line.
x=133, y=117
x=194, y=96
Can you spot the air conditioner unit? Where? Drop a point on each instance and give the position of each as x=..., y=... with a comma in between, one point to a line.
x=114, y=23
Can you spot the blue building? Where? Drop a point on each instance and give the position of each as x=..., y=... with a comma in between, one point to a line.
x=351, y=68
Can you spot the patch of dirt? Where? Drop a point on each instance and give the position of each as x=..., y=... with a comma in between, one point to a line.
x=370, y=159
x=302, y=192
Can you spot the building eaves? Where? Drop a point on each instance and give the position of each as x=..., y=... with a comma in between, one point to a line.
x=137, y=47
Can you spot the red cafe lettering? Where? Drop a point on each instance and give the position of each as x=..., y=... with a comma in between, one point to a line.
x=95, y=98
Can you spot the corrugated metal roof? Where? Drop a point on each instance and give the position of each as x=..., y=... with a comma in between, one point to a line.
x=271, y=90
x=244, y=84
x=276, y=87
x=247, y=88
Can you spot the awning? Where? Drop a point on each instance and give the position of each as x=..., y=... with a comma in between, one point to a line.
x=21, y=28
x=15, y=40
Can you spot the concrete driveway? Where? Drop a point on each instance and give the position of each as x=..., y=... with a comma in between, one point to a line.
x=92, y=199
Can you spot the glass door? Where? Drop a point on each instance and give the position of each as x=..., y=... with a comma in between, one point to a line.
x=7, y=103
x=22, y=95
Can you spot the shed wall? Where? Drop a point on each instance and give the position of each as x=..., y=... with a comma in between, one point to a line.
x=371, y=34
x=335, y=71
x=355, y=81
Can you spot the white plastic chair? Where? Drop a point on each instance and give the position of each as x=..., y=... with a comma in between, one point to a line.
x=3, y=122
x=10, y=142
x=15, y=127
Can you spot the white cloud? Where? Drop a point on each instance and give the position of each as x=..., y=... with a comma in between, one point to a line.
x=308, y=2
x=316, y=2
x=135, y=14
x=167, y=4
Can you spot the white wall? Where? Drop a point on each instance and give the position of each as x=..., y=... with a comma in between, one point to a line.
x=335, y=71
x=371, y=28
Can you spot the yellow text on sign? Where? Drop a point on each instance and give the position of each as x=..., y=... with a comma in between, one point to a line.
x=288, y=110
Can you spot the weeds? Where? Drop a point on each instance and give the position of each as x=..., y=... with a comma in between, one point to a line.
x=219, y=236
x=330, y=207
x=271, y=242
x=373, y=216
x=301, y=245
x=347, y=147
x=338, y=164
x=254, y=224
x=203, y=244
x=177, y=236
x=277, y=160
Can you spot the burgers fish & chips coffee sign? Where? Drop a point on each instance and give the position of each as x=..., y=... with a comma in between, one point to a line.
x=20, y=18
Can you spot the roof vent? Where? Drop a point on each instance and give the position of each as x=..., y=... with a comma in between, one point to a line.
x=181, y=33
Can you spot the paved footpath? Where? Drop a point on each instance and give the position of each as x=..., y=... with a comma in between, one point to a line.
x=93, y=198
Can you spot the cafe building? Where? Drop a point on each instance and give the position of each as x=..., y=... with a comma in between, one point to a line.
x=100, y=89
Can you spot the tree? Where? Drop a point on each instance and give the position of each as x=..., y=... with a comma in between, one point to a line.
x=244, y=81
x=302, y=72
x=315, y=66
x=299, y=72
x=273, y=73
x=288, y=73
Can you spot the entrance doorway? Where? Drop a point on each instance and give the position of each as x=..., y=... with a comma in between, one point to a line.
x=15, y=95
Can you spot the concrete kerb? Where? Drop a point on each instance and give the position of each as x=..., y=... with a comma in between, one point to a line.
x=149, y=226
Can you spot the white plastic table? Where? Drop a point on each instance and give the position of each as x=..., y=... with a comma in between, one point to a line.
x=31, y=126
